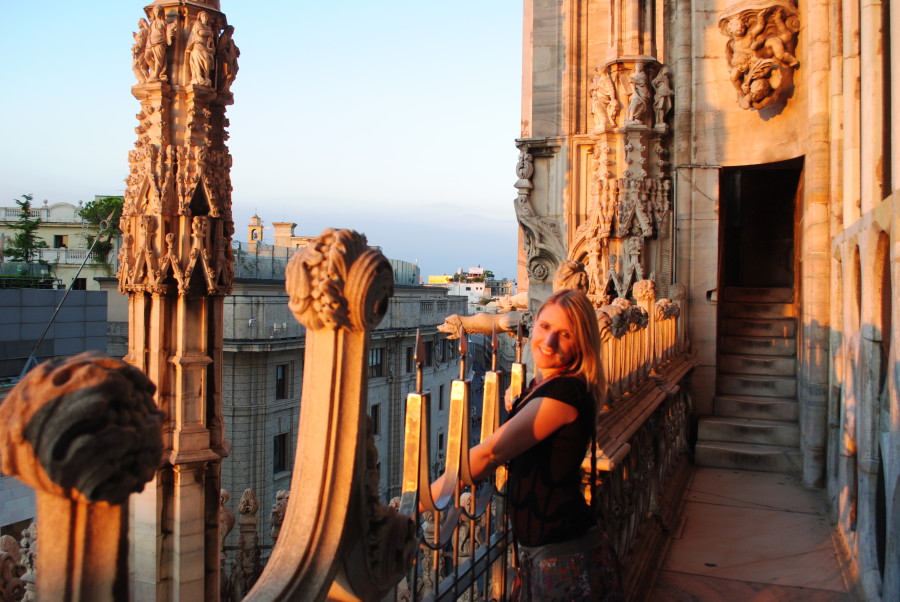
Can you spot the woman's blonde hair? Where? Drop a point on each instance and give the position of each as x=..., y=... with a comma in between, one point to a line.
x=583, y=317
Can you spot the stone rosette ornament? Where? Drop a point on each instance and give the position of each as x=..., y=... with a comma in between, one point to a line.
x=762, y=37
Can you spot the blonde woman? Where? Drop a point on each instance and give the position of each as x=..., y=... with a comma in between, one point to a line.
x=563, y=554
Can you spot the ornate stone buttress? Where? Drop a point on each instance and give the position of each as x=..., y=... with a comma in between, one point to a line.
x=176, y=265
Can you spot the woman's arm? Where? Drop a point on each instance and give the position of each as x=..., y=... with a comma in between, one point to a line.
x=540, y=418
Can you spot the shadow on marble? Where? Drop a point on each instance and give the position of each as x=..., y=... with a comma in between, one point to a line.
x=753, y=490
x=677, y=587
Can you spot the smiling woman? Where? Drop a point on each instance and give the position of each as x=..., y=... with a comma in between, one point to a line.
x=564, y=554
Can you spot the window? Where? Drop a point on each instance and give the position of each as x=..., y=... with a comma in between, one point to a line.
x=376, y=362
x=60, y=241
x=410, y=365
x=428, y=360
x=441, y=398
x=440, y=441
x=281, y=381
x=280, y=448
x=79, y=284
x=375, y=414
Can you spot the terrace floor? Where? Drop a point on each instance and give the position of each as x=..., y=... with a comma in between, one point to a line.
x=751, y=536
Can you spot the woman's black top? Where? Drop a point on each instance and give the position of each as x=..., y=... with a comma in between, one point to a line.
x=546, y=504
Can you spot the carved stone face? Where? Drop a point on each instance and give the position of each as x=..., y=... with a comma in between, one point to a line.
x=760, y=89
x=736, y=27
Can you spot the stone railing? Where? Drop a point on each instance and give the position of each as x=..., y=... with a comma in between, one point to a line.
x=66, y=256
x=337, y=539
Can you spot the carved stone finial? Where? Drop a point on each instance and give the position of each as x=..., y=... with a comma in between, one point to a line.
x=82, y=427
x=338, y=282
x=644, y=290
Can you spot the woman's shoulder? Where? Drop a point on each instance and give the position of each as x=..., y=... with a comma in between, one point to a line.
x=567, y=388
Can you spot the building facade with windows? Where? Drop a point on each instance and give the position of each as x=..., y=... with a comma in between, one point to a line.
x=66, y=235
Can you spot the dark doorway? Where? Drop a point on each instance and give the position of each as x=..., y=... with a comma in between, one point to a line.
x=757, y=205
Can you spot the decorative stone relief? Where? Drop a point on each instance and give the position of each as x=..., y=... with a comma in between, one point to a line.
x=762, y=36
x=639, y=92
x=12, y=587
x=544, y=247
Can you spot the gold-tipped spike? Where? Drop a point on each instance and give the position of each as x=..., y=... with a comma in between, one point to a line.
x=463, y=351
x=419, y=359
x=494, y=347
x=519, y=342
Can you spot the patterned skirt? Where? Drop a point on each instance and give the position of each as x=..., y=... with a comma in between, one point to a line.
x=585, y=568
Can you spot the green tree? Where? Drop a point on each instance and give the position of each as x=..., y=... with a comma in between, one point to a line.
x=98, y=210
x=24, y=244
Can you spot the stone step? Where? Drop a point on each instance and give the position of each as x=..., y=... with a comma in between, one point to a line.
x=748, y=430
x=744, y=310
x=762, y=386
x=759, y=295
x=782, y=327
x=769, y=365
x=744, y=456
x=766, y=408
x=758, y=346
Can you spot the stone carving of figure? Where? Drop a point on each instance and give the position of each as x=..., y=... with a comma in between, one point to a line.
x=640, y=95
x=138, y=59
x=159, y=37
x=525, y=165
x=201, y=49
x=227, y=54
x=776, y=44
x=662, y=100
x=758, y=50
x=604, y=104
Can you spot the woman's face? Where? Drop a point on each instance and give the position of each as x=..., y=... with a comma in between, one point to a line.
x=553, y=343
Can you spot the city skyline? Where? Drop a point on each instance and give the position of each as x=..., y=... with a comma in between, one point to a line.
x=396, y=121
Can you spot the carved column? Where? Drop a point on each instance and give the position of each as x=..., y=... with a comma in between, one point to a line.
x=176, y=267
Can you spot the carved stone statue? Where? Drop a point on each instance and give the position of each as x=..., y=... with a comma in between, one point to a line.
x=604, y=104
x=227, y=54
x=639, y=105
x=662, y=100
x=201, y=49
x=138, y=59
x=12, y=587
x=161, y=35
x=276, y=518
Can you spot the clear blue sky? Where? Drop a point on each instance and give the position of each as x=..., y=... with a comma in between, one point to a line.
x=397, y=119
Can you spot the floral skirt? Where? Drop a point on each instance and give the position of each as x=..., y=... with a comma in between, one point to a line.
x=585, y=568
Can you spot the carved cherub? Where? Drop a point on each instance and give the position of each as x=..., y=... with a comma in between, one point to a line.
x=775, y=45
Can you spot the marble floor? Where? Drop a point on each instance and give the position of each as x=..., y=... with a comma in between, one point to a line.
x=751, y=536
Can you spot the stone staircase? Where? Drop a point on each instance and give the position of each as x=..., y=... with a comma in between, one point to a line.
x=755, y=421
